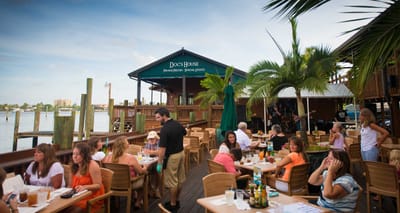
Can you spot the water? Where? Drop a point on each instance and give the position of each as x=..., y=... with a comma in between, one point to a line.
x=46, y=124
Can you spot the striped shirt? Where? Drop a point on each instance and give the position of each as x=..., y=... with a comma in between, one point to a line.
x=346, y=203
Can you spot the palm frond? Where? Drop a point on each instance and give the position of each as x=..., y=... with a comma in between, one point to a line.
x=293, y=8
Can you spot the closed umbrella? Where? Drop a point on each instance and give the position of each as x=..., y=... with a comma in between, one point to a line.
x=229, y=117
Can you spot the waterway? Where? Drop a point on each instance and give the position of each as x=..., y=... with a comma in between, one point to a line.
x=46, y=124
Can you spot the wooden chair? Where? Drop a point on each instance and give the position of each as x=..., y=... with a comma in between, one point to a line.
x=214, y=167
x=162, y=208
x=324, y=138
x=121, y=183
x=196, y=129
x=67, y=175
x=382, y=179
x=217, y=183
x=106, y=176
x=205, y=142
x=10, y=175
x=321, y=132
x=133, y=149
x=298, y=180
x=194, y=148
x=213, y=153
x=354, y=152
x=211, y=132
x=311, y=139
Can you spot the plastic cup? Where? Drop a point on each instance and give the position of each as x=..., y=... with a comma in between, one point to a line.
x=23, y=194
x=32, y=198
x=229, y=195
x=239, y=195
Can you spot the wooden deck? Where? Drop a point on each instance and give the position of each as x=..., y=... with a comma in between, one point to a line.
x=193, y=189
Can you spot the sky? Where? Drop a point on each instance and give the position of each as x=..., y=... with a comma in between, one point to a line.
x=49, y=48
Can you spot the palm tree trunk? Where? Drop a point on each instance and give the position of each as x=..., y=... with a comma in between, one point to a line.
x=302, y=115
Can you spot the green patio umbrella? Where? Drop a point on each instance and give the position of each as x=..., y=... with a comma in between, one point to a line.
x=229, y=117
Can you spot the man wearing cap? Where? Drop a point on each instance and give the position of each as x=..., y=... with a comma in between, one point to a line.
x=171, y=156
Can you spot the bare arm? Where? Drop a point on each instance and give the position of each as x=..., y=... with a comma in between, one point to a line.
x=384, y=133
x=135, y=163
x=161, y=154
x=56, y=181
x=95, y=174
x=333, y=191
x=316, y=178
x=286, y=160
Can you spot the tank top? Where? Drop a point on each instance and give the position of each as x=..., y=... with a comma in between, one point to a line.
x=368, y=138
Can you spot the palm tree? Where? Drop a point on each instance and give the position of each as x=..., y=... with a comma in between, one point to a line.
x=374, y=45
x=215, y=85
x=308, y=71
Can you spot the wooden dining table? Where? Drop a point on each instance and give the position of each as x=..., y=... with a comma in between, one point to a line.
x=266, y=167
x=56, y=204
x=280, y=203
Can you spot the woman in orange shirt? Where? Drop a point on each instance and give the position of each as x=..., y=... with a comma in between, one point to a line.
x=86, y=175
x=297, y=156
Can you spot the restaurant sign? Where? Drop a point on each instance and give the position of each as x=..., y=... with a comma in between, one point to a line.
x=183, y=65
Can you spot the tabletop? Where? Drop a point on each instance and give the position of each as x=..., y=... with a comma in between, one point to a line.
x=56, y=203
x=280, y=203
x=265, y=166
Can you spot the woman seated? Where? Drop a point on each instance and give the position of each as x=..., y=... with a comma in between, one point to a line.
x=297, y=156
x=230, y=140
x=228, y=159
x=277, y=137
x=86, y=175
x=96, y=145
x=120, y=156
x=339, y=190
x=336, y=137
x=13, y=208
x=45, y=170
x=151, y=148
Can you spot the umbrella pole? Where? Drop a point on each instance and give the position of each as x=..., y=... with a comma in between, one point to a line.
x=308, y=114
x=265, y=118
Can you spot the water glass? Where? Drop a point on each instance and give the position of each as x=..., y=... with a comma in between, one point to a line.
x=32, y=198
x=229, y=195
x=239, y=196
x=42, y=197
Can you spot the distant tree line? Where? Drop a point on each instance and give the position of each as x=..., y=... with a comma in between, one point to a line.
x=28, y=107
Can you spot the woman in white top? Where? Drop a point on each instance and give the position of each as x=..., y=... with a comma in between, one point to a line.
x=370, y=142
x=95, y=145
x=45, y=170
x=336, y=137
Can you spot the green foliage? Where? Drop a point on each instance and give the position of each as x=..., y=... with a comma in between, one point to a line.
x=215, y=86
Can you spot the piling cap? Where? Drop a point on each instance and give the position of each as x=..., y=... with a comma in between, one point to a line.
x=153, y=134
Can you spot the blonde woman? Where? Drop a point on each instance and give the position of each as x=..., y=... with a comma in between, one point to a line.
x=336, y=137
x=370, y=142
x=120, y=156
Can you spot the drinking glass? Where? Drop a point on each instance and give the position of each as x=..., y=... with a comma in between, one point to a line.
x=32, y=198
x=239, y=196
x=229, y=195
x=23, y=194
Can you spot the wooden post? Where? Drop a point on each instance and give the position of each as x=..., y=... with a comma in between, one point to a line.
x=89, y=109
x=122, y=121
x=64, y=130
x=36, y=124
x=209, y=116
x=82, y=117
x=16, y=129
x=110, y=115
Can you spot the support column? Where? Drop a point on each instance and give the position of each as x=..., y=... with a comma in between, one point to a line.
x=183, y=90
x=138, y=97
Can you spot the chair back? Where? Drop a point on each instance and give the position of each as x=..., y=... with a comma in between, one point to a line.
x=217, y=183
x=162, y=208
x=133, y=149
x=194, y=142
x=359, y=195
x=214, y=167
x=323, y=138
x=321, y=132
x=67, y=175
x=107, y=177
x=354, y=152
x=382, y=179
x=122, y=176
x=10, y=175
x=298, y=180
x=311, y=139
x=213, y=153
x=196, y=129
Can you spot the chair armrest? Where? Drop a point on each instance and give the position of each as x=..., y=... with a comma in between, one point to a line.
x=243, y=177
x=101, y=197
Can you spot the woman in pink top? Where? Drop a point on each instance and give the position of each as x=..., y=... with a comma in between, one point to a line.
x=227, y=159
x=120, y=156
x=297, y=156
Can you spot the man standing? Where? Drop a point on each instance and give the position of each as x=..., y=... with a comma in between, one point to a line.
x=171, y=156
